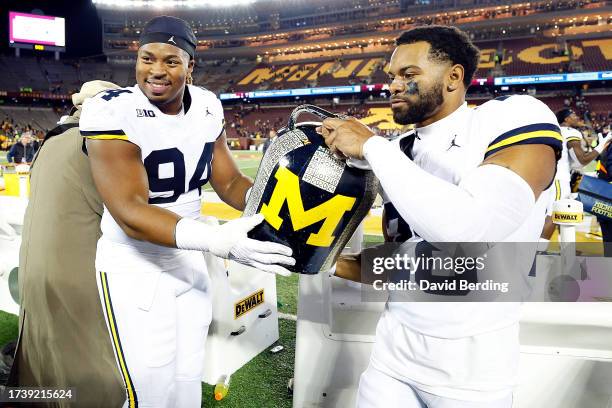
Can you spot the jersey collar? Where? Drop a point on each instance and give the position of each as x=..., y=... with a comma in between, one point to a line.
x=446, y=125
x=186, y=101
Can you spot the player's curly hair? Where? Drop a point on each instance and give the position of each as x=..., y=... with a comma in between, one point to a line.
x=447, y=44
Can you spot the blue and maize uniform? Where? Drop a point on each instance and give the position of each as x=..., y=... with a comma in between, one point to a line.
x=176, y=150
x=156, y=299
x=563, y=177
x=454, y=365
x=395, y=228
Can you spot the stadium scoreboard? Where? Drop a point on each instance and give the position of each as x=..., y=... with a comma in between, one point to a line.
x=36, y=32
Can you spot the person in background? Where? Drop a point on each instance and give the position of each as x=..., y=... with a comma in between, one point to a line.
x=574, y=149
x=271, y=136
x=573, y=157
x=23, y=151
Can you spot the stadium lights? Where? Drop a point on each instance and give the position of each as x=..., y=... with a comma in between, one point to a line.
x=171, y=3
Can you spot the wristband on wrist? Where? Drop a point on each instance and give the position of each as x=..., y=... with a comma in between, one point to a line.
x=192, y=234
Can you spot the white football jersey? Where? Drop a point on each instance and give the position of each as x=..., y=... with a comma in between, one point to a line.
x=571, y=134
x=563, y=176
x=176, y=150
x=563, y=167
x=450, y=149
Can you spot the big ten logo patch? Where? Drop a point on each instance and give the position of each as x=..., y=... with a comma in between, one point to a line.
x=145, y=113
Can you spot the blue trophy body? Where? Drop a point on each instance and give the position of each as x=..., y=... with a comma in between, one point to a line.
x=311, y=200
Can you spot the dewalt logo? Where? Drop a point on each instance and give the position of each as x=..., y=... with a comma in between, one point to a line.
x=330, y=212
x=249, y=303
x=563, y=217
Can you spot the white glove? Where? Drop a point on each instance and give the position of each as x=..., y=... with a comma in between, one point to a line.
x=230, y=241
x=602, y=141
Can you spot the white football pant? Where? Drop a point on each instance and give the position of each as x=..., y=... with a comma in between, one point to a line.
x=379, y=390
x=158, y=322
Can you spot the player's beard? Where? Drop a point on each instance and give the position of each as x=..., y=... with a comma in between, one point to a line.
x=424, y=107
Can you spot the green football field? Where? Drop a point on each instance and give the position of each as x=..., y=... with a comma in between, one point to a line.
x=248, y=163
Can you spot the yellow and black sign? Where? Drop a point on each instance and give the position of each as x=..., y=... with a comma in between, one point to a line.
x=298, y=72
x=567, y=217
x=602, y=208
x=248, y=303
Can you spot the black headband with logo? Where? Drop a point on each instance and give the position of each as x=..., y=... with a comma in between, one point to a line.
x=169, y=30
x=563, y=114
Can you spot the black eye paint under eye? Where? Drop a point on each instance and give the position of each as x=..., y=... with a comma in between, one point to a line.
x=412, y=88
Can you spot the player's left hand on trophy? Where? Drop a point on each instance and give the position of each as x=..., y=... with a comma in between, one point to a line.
x=346, y=136
x=230, y=241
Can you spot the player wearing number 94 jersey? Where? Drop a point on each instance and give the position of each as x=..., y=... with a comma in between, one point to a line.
x=152, y=148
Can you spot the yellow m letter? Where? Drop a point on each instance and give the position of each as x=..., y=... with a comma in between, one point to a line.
x=288, y=189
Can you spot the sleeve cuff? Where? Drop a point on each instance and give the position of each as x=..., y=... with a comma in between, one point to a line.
x=375, y=146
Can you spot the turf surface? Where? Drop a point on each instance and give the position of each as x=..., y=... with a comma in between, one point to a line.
x=287, y=294
x=262, y=383
x=247, y=161
x=9, y=325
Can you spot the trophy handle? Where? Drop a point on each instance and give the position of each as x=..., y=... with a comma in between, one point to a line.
x=315, y=110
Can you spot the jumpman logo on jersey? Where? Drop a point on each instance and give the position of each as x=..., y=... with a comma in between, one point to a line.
x=171, y=40
x=453, y=144
x=208, y=112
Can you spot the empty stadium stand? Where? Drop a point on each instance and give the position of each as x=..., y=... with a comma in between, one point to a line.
x=38, y=117
x=527, y=56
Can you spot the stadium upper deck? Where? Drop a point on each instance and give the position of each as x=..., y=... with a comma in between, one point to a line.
x=272, y=31
x=511, y=57
x=527, y=56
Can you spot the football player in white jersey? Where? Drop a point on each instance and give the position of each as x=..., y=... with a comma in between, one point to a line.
x=464, y=175
x=570, y=129
x=152, y=147
x=573, y=157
